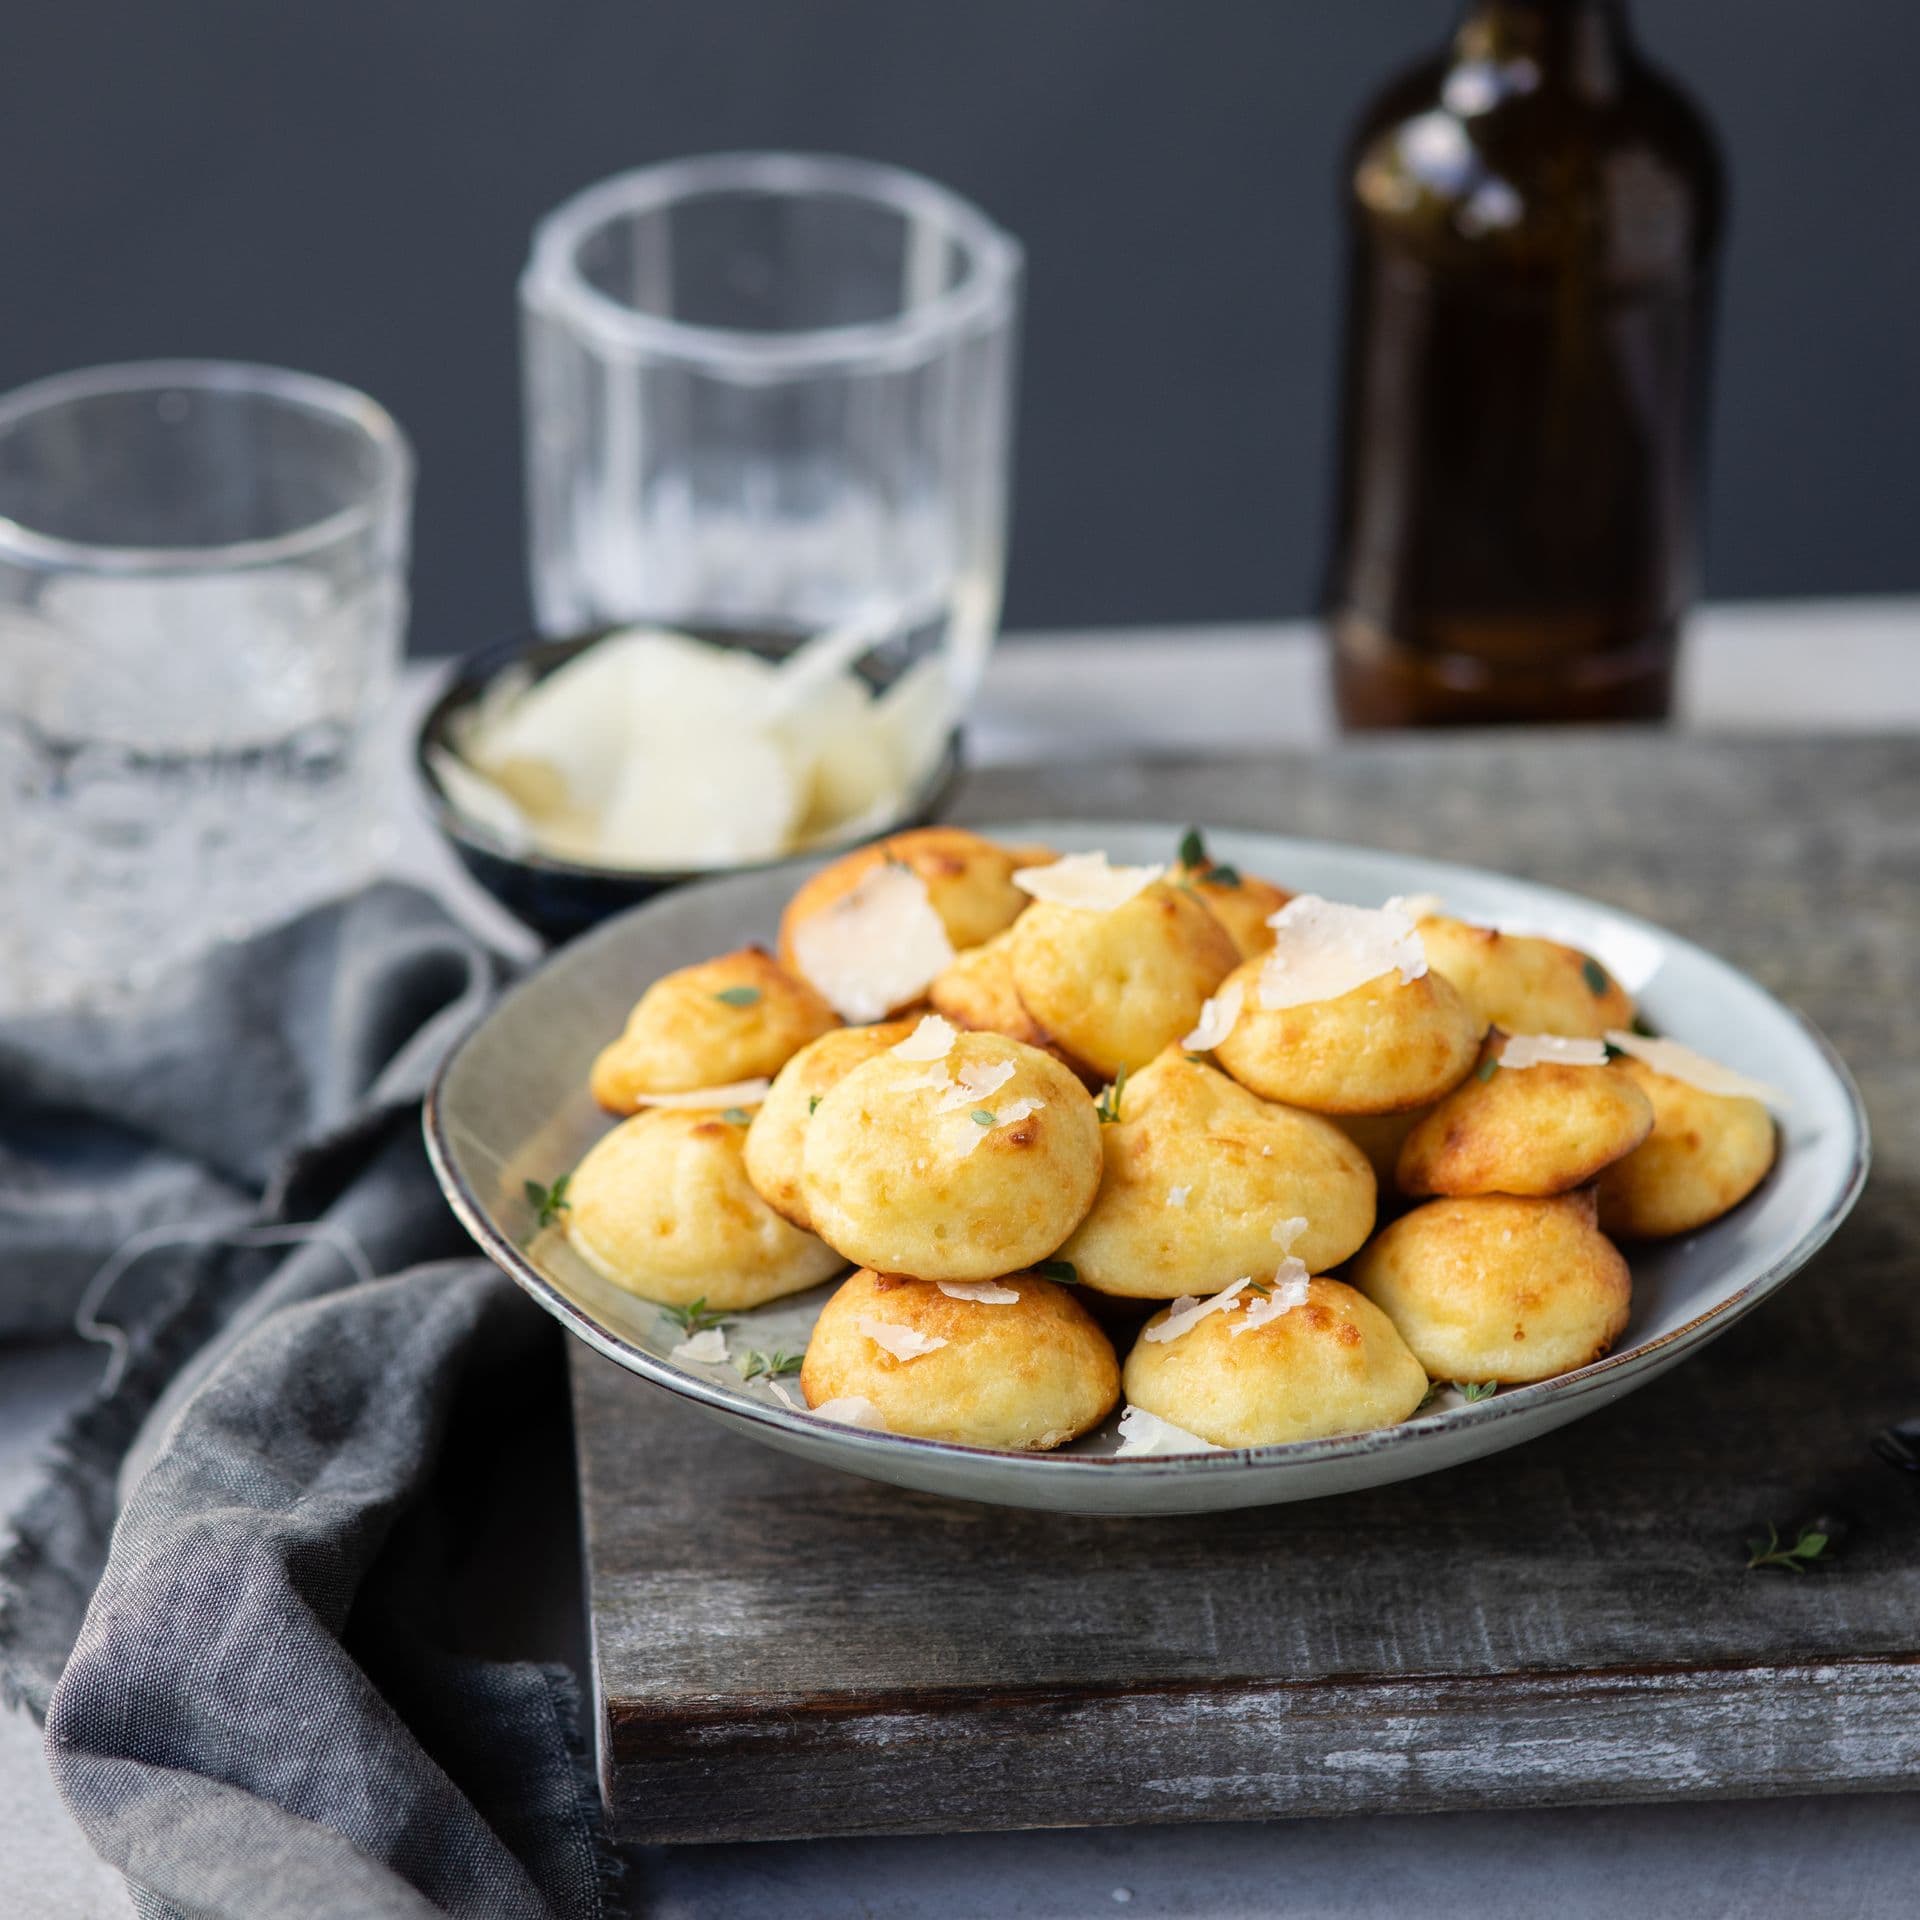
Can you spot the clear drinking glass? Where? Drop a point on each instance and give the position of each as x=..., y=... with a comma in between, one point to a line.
x=202, y=598
x=771, y=394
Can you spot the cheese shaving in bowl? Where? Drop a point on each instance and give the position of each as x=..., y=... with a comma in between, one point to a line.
x=1289, y=1290
x=1087, y=881
x=708, y=1349
x=736, y=1093
x=1323, y=949
x=1218, y=1018
x=932, y=1039
x=653, y=749
x=1142, y=1432
x=1417, y=906
x=1682, y=1063
x=879, y=946
x=904, y=1343
x=1552, y=1049
x=1189, y=1310
x=985, y=1293
x=1286, y=1232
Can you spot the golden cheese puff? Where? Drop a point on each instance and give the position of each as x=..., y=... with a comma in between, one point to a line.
x=969, y=882
x=1026, y=1374
x=1114, y=987
x=1332, y=1364
x=977, y=992
x=777, y=1137
x=1199, y=1173
x=1499, y=1288
x=740, y=1017
x=1525, y=1130
x=1525, y=984
x=1386, y=1046
x=1242, y=904
x=662, y=1207
x=960, y=1169
x=1706, y=1153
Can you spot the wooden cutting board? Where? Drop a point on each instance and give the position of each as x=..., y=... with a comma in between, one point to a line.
x=783, y=1652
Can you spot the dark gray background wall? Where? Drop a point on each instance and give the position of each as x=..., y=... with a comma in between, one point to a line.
x=347, y=186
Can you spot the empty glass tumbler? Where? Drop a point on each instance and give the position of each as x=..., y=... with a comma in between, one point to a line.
x=770, y=395
x=202, y=600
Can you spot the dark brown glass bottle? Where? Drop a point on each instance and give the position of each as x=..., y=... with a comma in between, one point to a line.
x=1535, y=220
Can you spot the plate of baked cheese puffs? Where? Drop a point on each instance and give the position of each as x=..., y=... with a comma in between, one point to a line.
x=1142, y=1169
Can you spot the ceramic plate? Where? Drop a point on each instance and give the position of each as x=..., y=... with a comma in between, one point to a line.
x=510, y=1105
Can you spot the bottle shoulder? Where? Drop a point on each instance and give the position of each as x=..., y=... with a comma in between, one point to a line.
x=1470, y=164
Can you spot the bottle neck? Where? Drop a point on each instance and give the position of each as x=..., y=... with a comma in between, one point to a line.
x=1581, y=46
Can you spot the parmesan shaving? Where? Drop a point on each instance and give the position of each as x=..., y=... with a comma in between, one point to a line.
x=1087, y=881
x=737, y=1093
x=1552, y=1049
x=974, y=1084
x=852, y=1410
x=935, y=1076
x=904, y=1343
x=1323, y=949
x=1217, y=1019
x=1286, y=1232
x=1015, y=1111
x=932, y=1039
x=1189, y=1310
x=784, y=1397
x=1417, y=906
x=985, y=1293
x=879, y=946
x=1177, y=1196
x=1289, y=1290
x=1682, y=1063
x=1144, y=1432
x=706, y=1349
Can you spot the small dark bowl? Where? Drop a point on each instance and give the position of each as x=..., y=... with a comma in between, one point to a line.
x=561, y=898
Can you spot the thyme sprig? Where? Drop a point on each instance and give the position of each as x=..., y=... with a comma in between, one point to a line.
x=769, y=1366
x=1768, y=1550
x=549, y=1203
x=696, y=1318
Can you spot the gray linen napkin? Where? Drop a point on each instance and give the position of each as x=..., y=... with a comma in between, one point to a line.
x=256, y=1701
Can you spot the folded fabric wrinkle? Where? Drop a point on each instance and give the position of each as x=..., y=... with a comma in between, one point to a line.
x=231, y=1594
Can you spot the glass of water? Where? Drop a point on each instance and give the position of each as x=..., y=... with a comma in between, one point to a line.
x=771, y=395
x=202, y=599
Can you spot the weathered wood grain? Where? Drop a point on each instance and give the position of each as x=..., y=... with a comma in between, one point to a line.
x=784, y=1651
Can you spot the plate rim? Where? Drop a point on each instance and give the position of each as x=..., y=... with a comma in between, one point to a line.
x=1513, y=1402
